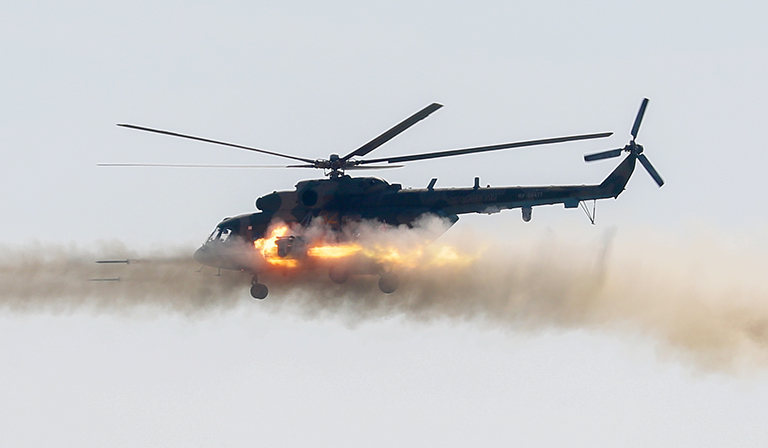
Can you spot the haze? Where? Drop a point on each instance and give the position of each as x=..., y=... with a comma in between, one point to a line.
x=313, y=79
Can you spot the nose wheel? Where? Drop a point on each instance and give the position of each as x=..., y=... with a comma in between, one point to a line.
x=259, y=291
x=388, y=282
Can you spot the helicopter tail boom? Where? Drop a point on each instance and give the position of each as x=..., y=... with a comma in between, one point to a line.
x=457, y=201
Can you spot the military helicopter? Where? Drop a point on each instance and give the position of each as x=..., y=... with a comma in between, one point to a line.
x=274, y=239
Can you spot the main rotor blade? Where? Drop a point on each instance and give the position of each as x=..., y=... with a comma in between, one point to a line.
x=180, y=165
x=603, y=155
x=458, y=152
x=651, y=170
x=374, y=167
x=216, y=142
x=394, y=132
x=639, y=118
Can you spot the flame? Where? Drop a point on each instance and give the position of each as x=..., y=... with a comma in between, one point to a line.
x=268, y=248
x=447, y=255
x=319, y=251
x=391, y=254
x=334, y=251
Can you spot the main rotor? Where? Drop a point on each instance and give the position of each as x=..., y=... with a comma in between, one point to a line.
x=335, y=165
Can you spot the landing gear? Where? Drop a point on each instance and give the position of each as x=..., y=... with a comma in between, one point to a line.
x=258, y=290
x=388, y=282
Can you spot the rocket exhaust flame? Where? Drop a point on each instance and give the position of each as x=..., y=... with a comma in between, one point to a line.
x=702, y=301
x=332, y=252
x=319, y=246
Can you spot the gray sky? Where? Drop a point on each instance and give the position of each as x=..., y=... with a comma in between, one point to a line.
x=312, y=79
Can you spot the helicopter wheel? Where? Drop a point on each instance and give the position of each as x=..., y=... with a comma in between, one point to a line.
x=388, y=282
x=259, y=291
x=338, y=275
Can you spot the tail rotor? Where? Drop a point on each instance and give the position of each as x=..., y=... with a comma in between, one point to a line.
x=632, y=147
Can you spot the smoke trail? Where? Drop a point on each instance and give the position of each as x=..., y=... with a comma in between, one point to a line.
x=58, y=278
x=703, y=300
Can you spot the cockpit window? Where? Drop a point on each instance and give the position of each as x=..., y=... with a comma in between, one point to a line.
x=220, y=235
x=214, y=235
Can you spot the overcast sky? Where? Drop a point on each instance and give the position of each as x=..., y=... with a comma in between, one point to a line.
x=315, y=78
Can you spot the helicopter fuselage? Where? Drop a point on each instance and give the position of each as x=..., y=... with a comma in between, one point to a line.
x=344, y=200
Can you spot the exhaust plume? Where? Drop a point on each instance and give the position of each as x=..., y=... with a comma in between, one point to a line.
x=703, y=300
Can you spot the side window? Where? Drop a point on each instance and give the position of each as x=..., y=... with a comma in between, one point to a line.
x=225, y=234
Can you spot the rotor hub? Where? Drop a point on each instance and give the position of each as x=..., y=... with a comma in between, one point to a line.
x=634, y=148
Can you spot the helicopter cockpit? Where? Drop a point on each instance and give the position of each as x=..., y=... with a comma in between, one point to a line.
x=221, y=235
x=223, y=248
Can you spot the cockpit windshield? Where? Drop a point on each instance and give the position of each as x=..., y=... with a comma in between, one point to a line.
x=220, y=234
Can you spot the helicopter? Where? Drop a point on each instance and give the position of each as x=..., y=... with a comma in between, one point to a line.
x=276, y=237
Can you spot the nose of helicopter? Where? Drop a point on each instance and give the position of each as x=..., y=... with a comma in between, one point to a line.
x=202, y=256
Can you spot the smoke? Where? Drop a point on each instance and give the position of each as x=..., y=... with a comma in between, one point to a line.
x=58, y=278
x=702, y=298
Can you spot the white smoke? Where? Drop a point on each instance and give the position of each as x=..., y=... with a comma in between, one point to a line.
x=703, y=300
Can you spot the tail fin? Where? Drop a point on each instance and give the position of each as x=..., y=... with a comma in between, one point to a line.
x=614, y=184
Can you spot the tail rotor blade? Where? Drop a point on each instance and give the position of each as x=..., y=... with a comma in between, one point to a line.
x=639, y=118
x=603, y=155
x=651, y=170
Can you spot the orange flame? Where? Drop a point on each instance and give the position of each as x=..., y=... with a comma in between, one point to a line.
x=334, y=251
x=414, y=256
x=268, y=248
